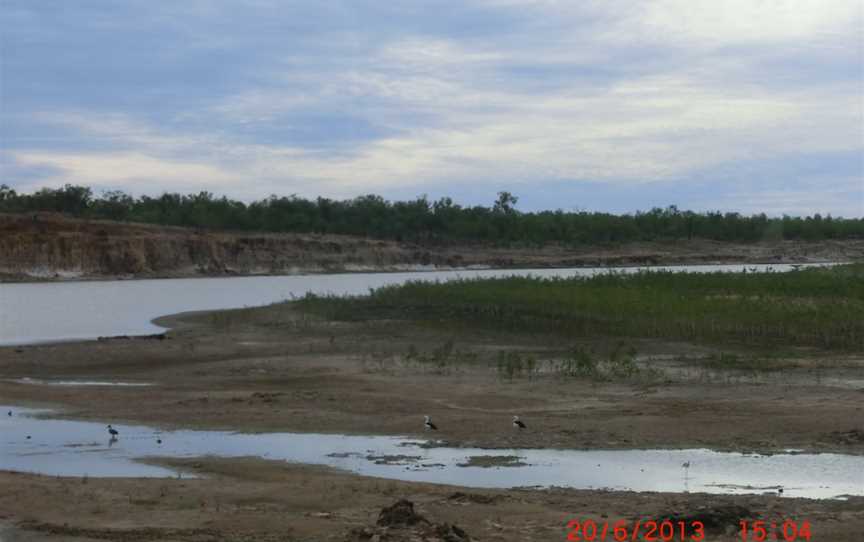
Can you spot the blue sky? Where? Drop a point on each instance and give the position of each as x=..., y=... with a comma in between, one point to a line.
x=594, y=104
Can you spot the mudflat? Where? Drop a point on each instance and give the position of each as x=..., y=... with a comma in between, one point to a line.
x=279, y=369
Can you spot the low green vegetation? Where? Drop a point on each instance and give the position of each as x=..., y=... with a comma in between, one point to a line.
x=822, y=308
x=752, y=362
x=579, y=362
x=443, y=359
x=428, y=222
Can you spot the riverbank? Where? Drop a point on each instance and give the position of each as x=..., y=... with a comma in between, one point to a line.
x=254, y=500
x=278, y=368
x=51, y=247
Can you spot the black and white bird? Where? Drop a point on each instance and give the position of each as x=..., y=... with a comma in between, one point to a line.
x=113, y=432
x=427, y=423
x=517, y=423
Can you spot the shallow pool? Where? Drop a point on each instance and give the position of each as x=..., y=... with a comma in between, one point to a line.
x=75, y=448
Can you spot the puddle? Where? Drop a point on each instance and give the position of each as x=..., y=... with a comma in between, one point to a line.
x=45, y=382
x=75, y=448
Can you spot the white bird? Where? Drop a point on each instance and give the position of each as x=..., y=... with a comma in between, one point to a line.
x=427, y=423
x=113, y=432
x=517, y=423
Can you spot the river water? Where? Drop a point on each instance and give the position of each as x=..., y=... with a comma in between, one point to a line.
x=57, y=311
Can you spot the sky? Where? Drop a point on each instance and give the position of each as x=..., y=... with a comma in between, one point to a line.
x=600, y=105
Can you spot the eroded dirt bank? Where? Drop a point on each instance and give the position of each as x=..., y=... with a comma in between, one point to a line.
x=47, y=246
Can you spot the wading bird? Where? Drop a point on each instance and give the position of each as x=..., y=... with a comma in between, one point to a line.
x=427, y=423
x=113, y=432
x=517, y=423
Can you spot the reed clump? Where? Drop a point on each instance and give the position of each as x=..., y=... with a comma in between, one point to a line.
x=818, y=307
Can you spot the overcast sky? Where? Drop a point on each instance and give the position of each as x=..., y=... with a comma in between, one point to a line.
x=746, y=105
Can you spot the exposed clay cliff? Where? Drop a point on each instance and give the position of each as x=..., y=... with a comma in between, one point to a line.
x=50, y=246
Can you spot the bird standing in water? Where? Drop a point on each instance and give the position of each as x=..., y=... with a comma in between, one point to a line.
x=113, y=432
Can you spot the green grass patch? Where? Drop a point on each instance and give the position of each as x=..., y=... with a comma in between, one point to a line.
x=820, y=307
x=738, y=362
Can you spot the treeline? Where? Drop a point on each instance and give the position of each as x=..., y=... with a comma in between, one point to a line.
x=424, y=221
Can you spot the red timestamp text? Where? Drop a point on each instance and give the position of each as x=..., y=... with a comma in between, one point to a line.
x=636, y=530
x=774, y=531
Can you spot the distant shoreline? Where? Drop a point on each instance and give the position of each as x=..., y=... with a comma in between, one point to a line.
x=62, y=249
x=420, y=269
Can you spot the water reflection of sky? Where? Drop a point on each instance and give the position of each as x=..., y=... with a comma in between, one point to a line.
x=74, y=448
x=39, y=312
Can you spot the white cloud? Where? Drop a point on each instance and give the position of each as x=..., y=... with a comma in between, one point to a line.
x=694, y=108
x=748, y=21
x=703, y=22
x=132, y=170
x=431, y=55
x=645, y=129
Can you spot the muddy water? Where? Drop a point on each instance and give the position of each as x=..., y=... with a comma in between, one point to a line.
x=75, y=448
x=43, y=312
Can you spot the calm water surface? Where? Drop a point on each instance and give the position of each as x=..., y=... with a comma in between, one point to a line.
x=74, y=448
x=42, y=312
